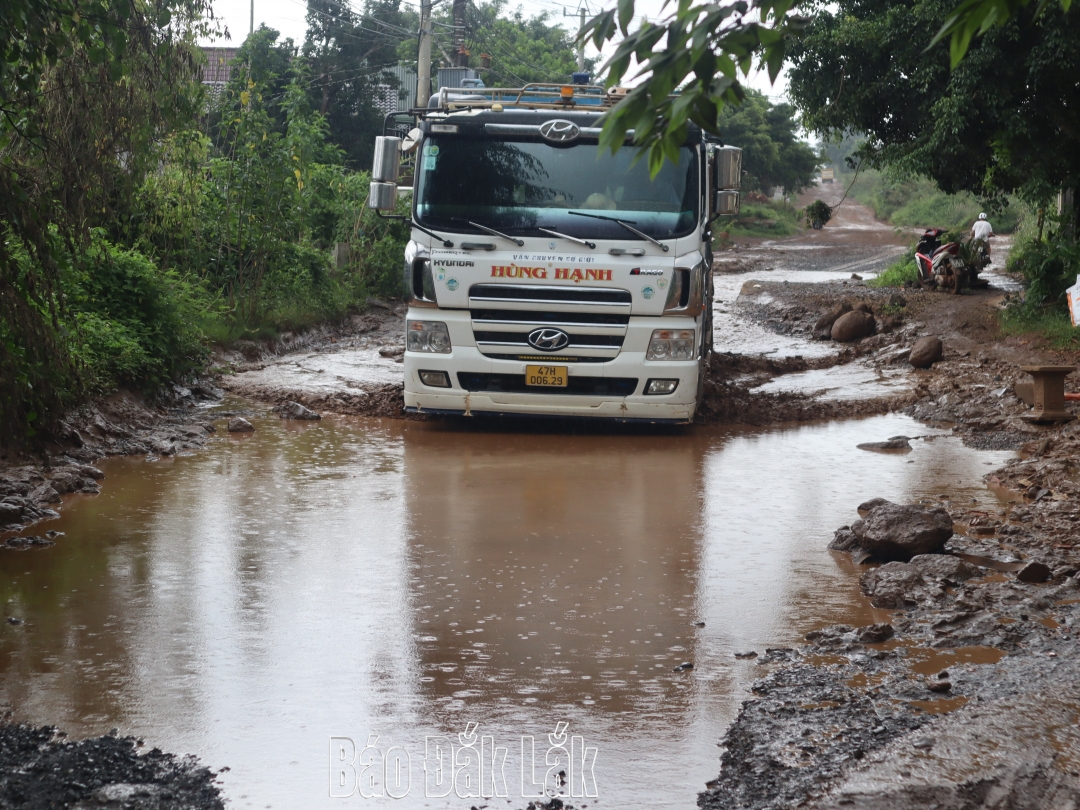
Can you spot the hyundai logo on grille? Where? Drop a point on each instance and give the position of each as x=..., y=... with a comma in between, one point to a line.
x=559, y=131
x=548, y=340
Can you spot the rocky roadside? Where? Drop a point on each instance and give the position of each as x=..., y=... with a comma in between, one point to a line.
x=40, y=769
x=968, y=697
x=121, y=424
x=304, y=369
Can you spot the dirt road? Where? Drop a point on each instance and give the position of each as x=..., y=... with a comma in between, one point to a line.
x=389, y=581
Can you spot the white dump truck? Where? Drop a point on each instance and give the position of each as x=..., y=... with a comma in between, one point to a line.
x=544, y=276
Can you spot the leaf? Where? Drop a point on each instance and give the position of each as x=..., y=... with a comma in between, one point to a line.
x=626, y=15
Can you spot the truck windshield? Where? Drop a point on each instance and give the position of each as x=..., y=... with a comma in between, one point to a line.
x=520, y=186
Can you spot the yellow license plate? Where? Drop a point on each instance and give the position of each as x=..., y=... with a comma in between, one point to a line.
x=550, y=376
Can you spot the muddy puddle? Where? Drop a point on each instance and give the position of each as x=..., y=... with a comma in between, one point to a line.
x=391, y=582
x=741, y=335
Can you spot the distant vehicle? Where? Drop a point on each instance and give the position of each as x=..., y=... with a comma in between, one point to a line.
x=828, y=175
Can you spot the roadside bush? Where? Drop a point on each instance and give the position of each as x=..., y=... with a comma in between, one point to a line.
x=919, y=203
x=900, y=272
x=132, y=323
x=1050, y=267
x=761, y=216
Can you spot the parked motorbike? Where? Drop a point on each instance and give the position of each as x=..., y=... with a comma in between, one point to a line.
x=943, y=269
x=950, y=267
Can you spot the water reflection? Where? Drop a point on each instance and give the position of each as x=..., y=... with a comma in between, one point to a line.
x=354, y=577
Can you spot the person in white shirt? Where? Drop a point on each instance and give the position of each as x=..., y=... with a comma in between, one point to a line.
x=981, y=231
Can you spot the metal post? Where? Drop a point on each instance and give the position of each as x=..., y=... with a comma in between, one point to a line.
x=423, y=61
x=458, y=51
x=581, y=41
x=252, y=31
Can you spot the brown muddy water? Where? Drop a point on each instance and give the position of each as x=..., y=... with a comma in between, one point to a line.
x=393, y=581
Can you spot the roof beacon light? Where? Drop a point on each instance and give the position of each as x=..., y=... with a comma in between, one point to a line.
x=567, y=92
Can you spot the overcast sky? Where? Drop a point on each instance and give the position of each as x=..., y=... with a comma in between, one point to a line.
x=287, y=16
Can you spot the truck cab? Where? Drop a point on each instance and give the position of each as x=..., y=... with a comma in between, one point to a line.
x=544, y=276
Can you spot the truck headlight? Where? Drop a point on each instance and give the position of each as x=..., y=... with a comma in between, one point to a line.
x=427, y=336
x=671, y=344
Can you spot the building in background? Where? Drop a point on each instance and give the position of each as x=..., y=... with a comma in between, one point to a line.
x=403, y=97
x=218, y=69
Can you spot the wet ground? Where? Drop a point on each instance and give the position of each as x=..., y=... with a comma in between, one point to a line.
x=365, y=589
x=354, y=577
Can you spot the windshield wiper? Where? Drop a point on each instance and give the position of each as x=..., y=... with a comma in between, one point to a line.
x=585, y=242
x=626, y=225
x=446, y=242
x=492, y=231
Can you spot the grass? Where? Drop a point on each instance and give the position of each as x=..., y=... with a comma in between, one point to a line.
x=919, y=203
x=761, y=218
x=898, y=273
x=1053, y=326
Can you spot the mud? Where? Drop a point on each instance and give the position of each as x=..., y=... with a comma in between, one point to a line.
x=917, y=721
x=354, y=368
x=309, y=545
x=40, y=769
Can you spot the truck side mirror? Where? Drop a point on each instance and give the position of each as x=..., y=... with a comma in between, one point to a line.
x=728, y=167
x=727, y=203
x=382, y=195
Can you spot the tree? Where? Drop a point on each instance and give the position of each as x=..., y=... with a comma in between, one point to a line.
x=348, y=53
x=521, y=50
x=707, y=45
x=84, y=87
x=773, y=155
x=1005, y=120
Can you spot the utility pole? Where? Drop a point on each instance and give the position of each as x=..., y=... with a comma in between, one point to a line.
x=423, y=61
x=581, y=41
x=252, y=31
x=460, y=59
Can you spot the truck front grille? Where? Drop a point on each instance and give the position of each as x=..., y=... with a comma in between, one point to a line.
x=595, y=319
x=515, y=384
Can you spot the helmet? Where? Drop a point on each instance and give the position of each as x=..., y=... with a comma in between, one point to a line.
x=982, y=216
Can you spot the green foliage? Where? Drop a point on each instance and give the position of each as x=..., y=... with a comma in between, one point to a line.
x=1050, y=266
x=899, y=273
x=85, y=89
x=1052, y=325
x=258, y=217
x=134, y=324
x=975, y=17
x=1005, y=121
x=347, y=52
x=817, y=214
x=918, y=203
x=698, y=48
x=522, y=49
x=773, y=154
x=768, y=218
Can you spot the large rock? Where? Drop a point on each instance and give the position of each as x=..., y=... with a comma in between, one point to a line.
x=894, y=585
x=894, y=532
x=852, y=326
x=926, y=352
x=1034, y=572
x=824, y=325
x=45, y=494
x=239, y=424
x=10, y=513
x=844, y=540
x=294, y=410
x=944, y=566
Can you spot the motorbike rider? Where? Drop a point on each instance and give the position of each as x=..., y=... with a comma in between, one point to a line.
x=981, y=232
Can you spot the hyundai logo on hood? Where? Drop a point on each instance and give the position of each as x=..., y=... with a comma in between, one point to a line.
x=548, y=339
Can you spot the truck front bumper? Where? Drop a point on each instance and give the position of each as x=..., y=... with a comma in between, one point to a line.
x=622, y=381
